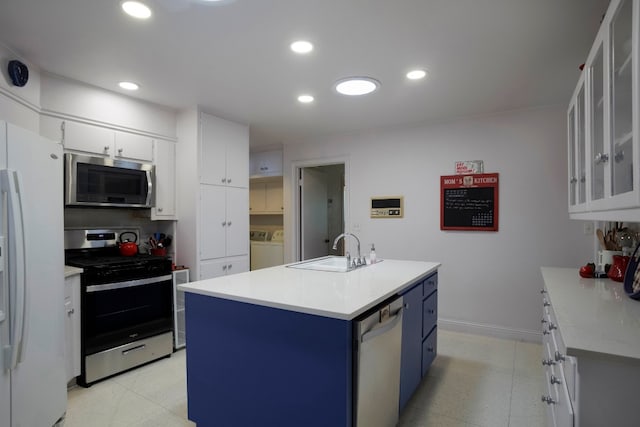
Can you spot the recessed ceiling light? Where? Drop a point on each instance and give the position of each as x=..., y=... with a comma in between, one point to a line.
x=136, y=9
x=301, y=46
x=305, y=99
x=128, y=85
x=416, y=74
x=354, y=86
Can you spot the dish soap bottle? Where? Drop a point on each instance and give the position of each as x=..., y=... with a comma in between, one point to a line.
x=372, y=255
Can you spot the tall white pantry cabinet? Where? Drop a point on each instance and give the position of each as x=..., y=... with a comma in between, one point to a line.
x=212, y=195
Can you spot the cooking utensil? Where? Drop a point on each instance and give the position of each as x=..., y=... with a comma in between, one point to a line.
x=126, y=246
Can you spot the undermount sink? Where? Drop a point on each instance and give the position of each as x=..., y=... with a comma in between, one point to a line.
x=329, y=263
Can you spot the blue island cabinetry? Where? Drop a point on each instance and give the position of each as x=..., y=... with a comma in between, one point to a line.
x=254, y=365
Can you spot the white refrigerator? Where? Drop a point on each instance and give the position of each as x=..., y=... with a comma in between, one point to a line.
x=32, y=361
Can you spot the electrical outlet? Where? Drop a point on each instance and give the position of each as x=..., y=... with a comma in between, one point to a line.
x=588, y=227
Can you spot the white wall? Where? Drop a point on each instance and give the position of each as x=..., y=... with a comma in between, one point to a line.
x=19, y=105
x=489, y=281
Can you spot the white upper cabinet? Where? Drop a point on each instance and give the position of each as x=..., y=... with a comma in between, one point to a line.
x=135, y=147
x=266, y=163
x=104, y=142
x=603, y=122
x=88, y=139
x=224, y=158
x=164, y=159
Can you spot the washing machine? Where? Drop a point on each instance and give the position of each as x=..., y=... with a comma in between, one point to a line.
x=267, y=250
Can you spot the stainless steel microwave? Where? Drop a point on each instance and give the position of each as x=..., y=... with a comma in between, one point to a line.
x=100, y=181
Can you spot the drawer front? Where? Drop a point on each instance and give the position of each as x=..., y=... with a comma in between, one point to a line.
x=429, y=350
x=430, y=285
x=429, y=313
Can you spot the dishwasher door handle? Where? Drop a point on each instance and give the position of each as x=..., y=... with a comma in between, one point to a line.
x=383, y=327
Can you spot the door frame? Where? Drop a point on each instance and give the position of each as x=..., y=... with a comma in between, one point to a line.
x=295, y=195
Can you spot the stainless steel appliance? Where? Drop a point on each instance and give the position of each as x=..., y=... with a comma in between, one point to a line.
x=377, y=365
x=101, y=181
x=33, y=387
x=126, y=304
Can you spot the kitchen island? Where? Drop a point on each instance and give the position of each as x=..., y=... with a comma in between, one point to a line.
x=276, y=346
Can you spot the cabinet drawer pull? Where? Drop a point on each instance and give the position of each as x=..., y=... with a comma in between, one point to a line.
x=548, y=362
x=542, y=291
x=555, y=380
x=543, y=321
x=552, y=326
x=548, y=400
x=546, y=304
x=131, y=350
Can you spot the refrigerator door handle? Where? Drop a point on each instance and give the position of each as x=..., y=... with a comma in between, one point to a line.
x=10, y=184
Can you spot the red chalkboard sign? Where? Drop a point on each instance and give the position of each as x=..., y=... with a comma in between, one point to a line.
x=469, y=202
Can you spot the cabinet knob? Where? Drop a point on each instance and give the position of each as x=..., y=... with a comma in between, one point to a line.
x=552, y=326
x=430, y=349
x=224, y=223
x=542, y=291
x=601, y=158
x=228, y=180
x=555, y=380
x=559, y=356
x=229, y=224
x=120, y=151
x=546, y=304
x=430, y=311
x=223, y=180
x=224, y=267
x=545, y=332
x=159, y=209
x=229, y=266
x=548, y=362
x=548, y=400
x=106, y=148
x=543, y=321
x=573, y=180
x=71, y=311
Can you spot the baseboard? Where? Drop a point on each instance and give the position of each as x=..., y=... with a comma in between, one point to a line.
x=490, y=330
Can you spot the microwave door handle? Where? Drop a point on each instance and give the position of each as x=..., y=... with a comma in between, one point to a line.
x=150, y=198
x=10, y=183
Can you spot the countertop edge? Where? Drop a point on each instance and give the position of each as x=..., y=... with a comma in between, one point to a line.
x=309, y=310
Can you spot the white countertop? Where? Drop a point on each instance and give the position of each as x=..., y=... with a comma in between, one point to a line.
x=595, y=316
x=322, y=293
x=70, y=271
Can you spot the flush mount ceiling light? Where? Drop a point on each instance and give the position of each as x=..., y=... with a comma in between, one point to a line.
x=301, y=46
x=136, y=9
x=354, y=86
x=416, y=74
x=129, y=85
x=305, y=99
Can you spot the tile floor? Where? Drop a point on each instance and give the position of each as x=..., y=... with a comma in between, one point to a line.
x=475, y=381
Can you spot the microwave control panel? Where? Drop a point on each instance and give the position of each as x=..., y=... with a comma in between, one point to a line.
x=387, y=207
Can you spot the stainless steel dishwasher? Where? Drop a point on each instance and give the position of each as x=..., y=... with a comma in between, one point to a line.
x=377, y=366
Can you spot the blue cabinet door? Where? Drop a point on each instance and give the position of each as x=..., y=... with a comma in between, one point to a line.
x=411, y=358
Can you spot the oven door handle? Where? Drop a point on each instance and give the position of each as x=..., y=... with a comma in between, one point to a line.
x=128, y=284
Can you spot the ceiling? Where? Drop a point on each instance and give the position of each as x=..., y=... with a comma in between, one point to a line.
x=232, y=58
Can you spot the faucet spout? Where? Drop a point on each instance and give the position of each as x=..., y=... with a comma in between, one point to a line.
x=343, y=235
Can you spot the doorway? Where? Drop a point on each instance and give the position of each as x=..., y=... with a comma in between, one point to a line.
x=320, y=209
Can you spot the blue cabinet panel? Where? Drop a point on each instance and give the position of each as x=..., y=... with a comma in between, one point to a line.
x=249, y=365
x=429, y=350
x=429, y=313
x=430, y=284
x=411, y=359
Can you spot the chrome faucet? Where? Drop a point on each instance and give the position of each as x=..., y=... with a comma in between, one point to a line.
x=359, y=260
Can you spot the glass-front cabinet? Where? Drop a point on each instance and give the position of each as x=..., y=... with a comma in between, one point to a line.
x=603, y=122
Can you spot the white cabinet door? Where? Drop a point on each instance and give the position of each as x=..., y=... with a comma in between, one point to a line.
x=237, y=221
x=238, y=155
x=135, y=147
x=213, y=268
x=89, y=139
x=237, y=265
x=213, y=153
x=266, y=163
x=224, y=148
x=165, y=162
x=257, y=197
x=213, y=222
x=72, y=325
x=273, y=197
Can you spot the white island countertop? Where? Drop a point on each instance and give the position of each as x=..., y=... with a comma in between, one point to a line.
x=322, y=293
x=595, y=316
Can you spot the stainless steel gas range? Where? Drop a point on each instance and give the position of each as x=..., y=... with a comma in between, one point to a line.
x=126, y=304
